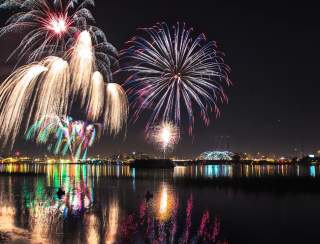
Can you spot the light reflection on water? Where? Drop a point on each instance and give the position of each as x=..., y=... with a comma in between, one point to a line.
x=107, y=204
x=246, y=171
x=101, y=204
x=204, y=171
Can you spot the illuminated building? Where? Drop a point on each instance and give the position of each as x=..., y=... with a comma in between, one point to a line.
x=216, y=155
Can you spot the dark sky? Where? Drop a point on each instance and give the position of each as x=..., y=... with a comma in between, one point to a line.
x=273, y=50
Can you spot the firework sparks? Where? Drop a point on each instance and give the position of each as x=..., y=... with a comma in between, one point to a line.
x=52, y=29
x=40, y=88
x=59, y=24
x=165, y=135
x=116, y=111
x=170, y=70
x=82, y=65
x=50, y=24
x=15, y=95
x=64, y=135
x=43, y=89
x=96, y=98
x=53, y=94
x=51, y=86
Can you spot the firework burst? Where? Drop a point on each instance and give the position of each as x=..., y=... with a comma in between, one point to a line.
x=58, y=24
x=42, y=89
x=86, y=57
x=49, y=24
x=166, y=135
x=52, y=85
x=65, y=135
x=53, y=27
x=38, y=89
x=171, y=70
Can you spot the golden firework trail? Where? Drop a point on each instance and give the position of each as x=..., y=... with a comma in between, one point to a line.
x=15, y=96
x=44, y=89
x=82, y=65
x=96, y=97
x=53, y=92
x=116, y=111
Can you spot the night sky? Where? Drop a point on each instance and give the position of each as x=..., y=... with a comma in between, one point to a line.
x=273, y=50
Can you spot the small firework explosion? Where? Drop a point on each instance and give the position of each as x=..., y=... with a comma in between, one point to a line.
x=166, y=135
x=58, y=23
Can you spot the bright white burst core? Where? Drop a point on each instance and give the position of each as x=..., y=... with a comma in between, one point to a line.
x=165, y=135
x=85, y=39
x=58, y=24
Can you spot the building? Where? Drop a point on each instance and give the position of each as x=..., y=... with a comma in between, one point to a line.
x=216, y=155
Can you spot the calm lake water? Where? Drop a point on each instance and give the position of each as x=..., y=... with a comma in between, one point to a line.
x=199, y=204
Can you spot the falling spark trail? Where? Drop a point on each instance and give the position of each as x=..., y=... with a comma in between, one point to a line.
x=15, y=96
x=96, y=97
x=53, y=92
x=82, y=65
x=117, y=108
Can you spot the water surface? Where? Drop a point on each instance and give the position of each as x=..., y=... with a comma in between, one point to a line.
x=199, y=204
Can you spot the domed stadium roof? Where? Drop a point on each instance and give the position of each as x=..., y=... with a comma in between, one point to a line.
x=216, y=155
